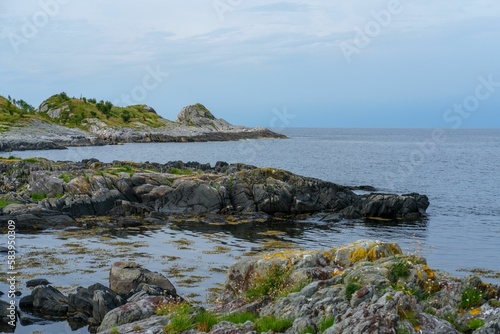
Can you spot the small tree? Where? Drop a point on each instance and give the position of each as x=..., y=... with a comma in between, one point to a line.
x=125, y=116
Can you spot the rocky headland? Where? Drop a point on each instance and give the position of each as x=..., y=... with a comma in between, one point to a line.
x=40, y=193
x=367, y=286
x=61, y=121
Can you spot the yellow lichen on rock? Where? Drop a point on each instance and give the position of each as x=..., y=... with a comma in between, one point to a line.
x=475, y=311
x=357, y=254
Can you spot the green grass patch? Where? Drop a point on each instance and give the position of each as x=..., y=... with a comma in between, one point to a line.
x=350, y=289
x=4, y=203
x=400, y=269
x=326, y=323
x=239, y=318
x=205, y=320
x=122, y=169
x=475, y=324
x=65, y=177
x=271, y=323
x=471, y=297
x=181, y=317
x=36, y=197
x=178, y=171
x=31, y=160
x=184, y=317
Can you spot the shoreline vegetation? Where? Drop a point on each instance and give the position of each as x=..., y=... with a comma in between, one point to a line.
x=60, y=122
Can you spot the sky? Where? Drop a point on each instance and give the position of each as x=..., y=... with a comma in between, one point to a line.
x=288, y=63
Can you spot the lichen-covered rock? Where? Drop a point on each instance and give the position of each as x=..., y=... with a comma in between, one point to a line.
x=366, y=286
x=52, y=194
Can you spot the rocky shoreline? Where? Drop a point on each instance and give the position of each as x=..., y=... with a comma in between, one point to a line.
x=40, y=193
x=193, y=124
x=367, y=286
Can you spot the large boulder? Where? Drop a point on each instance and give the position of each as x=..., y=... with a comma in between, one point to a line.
x=46, y=301
x=93, y=302
x=125, y=277
x=132, y=312
x=389, y=206
x=103, y=301
x=198, y=116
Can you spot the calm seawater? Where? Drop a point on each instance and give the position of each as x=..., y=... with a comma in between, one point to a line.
x=457, y=169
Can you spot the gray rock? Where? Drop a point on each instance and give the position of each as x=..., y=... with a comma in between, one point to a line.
x=131, y=312
x=8, y=312
x=125, y=277
x=151, y=325
x=36, y=282
x=48, y=301
x=103, y=301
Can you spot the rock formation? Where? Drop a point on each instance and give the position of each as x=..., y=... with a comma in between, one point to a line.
x=44, y=194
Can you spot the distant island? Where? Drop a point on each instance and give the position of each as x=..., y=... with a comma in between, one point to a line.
x=62, y=121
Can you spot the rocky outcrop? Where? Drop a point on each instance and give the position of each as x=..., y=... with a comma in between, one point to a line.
x=199, y=116
x=367, y=286
x=131, y=312
x=134, y=294
x=48, y=194
x=125, y=277
x=388, y=206
x=364, y=287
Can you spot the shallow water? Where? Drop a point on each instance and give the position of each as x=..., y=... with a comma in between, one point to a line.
x=459, y=174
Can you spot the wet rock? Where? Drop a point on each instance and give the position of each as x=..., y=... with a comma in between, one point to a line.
x=127, y=276
x=8, y=313
x=410, y=206
x=36, y=282
x=27, y=319
x=48, y=301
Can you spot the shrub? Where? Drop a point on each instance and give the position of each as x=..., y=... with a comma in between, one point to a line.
x=64, y=96
x=272, y=283
x=125, y=116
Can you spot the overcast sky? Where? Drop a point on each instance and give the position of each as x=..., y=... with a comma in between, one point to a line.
x=263, y=62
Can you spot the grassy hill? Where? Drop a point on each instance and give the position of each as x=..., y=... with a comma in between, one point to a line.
x=13, y=112
x=77, y=113
x=73, y=112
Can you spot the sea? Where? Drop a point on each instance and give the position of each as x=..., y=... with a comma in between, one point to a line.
x=457, y=169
